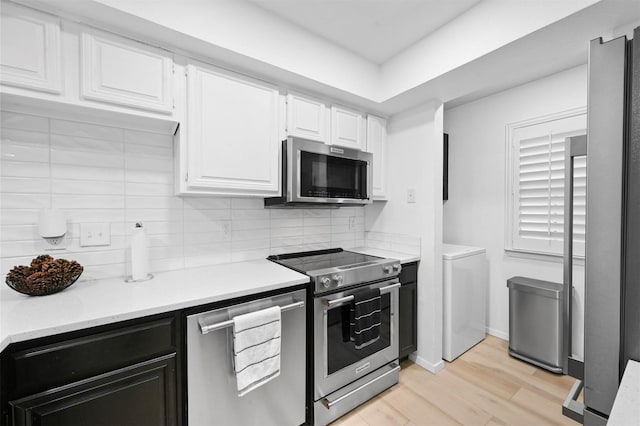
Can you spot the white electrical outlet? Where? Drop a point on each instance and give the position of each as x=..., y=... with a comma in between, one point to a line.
x=95, y=234
x=352, y=223
x=411, y=195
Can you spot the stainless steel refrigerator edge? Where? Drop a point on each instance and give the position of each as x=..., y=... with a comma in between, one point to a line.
x=631, y=291
x=605, y=154
x=612, y=269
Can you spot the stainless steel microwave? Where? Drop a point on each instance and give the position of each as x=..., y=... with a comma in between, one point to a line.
x=315, y=174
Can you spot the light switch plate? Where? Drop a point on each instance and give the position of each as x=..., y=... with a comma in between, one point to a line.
x=411, y=195
x=95, y=234
x=352, y=223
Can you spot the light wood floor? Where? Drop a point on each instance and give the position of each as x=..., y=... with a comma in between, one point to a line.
x=485, y=386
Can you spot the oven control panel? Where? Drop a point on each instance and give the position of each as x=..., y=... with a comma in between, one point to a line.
x=352, y=276
x=329, y=282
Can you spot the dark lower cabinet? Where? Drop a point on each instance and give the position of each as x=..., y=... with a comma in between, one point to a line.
x=408, y=307
x=142, y=394
x=120, y=374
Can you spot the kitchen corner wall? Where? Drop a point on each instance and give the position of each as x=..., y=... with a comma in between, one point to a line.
x=414, y=160
x=102, y=174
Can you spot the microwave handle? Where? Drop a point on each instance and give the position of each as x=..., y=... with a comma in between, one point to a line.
x=333, y=302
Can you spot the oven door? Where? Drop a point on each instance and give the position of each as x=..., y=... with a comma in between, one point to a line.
x=322, y=173
x=336, y=360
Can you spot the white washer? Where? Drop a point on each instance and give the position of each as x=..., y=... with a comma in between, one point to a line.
x=466, y=277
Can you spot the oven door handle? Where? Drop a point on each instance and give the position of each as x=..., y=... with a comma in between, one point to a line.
x=333, y=302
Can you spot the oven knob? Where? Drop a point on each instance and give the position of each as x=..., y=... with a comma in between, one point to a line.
x=338, y=279
x=397, y=267
x=326, y=282
x=387, y=269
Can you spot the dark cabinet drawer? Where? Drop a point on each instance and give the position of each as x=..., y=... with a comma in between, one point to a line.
x=141, y=394
x=44, y=367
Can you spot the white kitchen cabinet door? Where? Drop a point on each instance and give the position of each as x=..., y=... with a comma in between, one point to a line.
x=124, y=72
x=377, y=145
x=30, y=53
x=347, y=128
x=232, y=134
x=306, y=117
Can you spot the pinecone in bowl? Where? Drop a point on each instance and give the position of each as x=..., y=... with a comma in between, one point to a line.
x=45, y=275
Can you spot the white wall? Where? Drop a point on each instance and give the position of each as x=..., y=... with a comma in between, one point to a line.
x=121, y=176
x=415, y=161
x=468, y=37
x=475, y=212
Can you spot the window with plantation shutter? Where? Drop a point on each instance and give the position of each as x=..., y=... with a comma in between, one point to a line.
x=536, y=184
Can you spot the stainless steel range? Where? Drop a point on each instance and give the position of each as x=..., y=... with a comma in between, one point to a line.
x=345, y=376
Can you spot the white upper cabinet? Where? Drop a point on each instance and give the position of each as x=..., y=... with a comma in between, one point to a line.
x=377, y=145
x=30, y=49
x=124, y=72
x=347, y=128
x=306, y=117
x=232, y=134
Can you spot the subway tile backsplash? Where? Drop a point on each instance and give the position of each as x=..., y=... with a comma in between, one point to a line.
x=102, y=174
x=393, y=242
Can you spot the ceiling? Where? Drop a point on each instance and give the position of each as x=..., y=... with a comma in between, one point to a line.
x=374, y=29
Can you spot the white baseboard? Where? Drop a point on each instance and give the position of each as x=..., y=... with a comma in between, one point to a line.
x=498, y=333
x=427, y=365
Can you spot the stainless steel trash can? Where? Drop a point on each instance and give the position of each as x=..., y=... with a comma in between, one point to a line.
x=535, y=322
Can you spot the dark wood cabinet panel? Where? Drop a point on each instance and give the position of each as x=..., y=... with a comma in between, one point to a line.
x=142, y=394
x=118, y=374
x=408, y=307
x=409, y=273
x=408, y=319
x=58, y=363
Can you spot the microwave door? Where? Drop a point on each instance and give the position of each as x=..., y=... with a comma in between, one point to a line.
x=323, y=175
x=326, y=174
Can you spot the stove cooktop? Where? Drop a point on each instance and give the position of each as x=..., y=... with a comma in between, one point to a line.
x=310, y=261
x=335, y=268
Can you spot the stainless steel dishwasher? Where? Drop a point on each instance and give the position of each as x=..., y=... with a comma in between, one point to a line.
x=212, y=395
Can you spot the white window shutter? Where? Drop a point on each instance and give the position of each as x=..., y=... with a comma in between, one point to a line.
x=538, y=185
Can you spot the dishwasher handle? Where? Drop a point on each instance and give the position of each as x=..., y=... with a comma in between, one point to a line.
x=207, y=328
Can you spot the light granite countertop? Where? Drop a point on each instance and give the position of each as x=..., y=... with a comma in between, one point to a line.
x=626, y=407
x=92, y=303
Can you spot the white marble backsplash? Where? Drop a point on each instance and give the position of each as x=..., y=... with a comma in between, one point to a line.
x=102, y=174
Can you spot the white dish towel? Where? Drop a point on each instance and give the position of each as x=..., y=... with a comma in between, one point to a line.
x=256, y=348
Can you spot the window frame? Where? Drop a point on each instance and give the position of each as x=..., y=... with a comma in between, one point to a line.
x=511, y=175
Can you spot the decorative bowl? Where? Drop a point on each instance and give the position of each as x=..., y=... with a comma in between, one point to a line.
x=46, y=275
